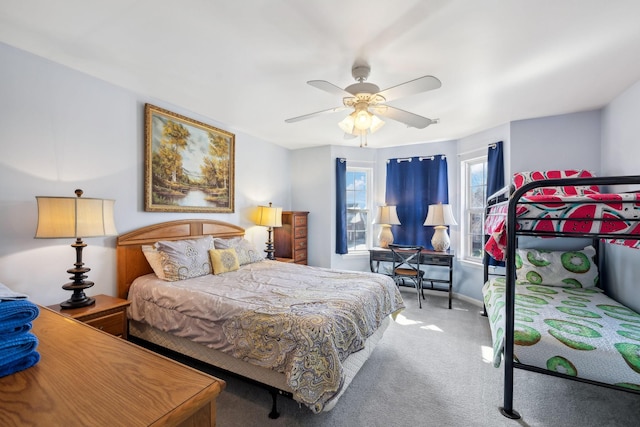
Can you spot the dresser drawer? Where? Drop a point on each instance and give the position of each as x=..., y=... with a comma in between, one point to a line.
x=111, y=323
x=300, y=255
x=299, y=232
x=300, y=244
x=300, y=221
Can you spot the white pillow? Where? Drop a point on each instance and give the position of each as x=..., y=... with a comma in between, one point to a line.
x=557, y=268
x=154, y=259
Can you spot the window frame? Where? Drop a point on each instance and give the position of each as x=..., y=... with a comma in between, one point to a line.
x=466, y=232
x=368, y=210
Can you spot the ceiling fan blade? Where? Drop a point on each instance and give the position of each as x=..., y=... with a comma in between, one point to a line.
x=421, y=84
x=410, y=119
x=317, y=113
x=329, y=87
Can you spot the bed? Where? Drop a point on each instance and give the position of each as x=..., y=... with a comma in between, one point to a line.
x=548, y=313
x=300, y=331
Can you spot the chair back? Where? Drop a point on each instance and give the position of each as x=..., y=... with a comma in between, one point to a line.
x=406, y=259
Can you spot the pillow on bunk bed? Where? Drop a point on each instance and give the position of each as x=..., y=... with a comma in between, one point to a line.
x=522, y=178
x=557, y=268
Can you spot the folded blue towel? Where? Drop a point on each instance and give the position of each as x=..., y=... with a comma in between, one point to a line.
x=15, y=314
x=26, y=361
x=16, y=348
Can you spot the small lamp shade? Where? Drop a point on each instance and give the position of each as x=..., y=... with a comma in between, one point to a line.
x=269, y=216
x=440, y=216
x=66, y=217
x=386, y=216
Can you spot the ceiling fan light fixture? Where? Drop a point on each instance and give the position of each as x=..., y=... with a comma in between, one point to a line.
x=376, y=124
x=363, y=119
x=348, y=124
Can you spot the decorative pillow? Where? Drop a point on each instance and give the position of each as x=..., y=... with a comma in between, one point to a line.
x=224, y=260
x=247, y=253
x=557, y=268
x=522, y=178
x=183, y=259
x=154, y=259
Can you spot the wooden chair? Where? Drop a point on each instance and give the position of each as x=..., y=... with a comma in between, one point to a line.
x=406, y=265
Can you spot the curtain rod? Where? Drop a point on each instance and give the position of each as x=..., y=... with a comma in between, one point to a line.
x=477, y=150
x=421, y=158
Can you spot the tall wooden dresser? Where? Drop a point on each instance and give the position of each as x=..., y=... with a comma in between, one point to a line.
x=291, y=239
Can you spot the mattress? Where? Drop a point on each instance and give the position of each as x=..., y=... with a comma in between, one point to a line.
x=578, y=332
x=218, y=359
x=300, y=321
x=614, y=214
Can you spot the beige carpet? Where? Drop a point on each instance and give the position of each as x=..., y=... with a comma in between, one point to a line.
x=432, y=369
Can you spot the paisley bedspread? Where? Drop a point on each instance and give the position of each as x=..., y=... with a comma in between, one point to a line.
x=299, y=320
x=575, y=331
x=620, y=214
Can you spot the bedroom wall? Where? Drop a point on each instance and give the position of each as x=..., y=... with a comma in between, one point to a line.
x=63, y=130
x=469, y=276
x=620, y=152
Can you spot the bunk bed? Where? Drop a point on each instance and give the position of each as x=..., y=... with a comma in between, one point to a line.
x=548, y=312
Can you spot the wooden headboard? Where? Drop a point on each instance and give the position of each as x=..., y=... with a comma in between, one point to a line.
x=132, y=262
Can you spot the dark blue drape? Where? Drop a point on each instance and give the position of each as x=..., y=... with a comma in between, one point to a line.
x=495, y=180
x=341, y=206
x=495, y=168
x=412, y=185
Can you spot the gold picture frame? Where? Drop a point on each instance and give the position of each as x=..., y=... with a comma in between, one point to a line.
x=189, y=165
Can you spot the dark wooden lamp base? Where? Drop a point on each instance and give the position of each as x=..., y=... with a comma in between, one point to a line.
x=78, y=299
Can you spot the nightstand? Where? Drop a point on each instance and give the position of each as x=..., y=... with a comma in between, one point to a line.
x=285, y=259
x=108, y=314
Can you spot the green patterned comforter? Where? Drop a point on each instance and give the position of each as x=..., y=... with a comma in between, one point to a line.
x=299, y=320
x=575, y=331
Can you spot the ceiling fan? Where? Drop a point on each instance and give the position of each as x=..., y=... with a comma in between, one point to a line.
x=366, y=99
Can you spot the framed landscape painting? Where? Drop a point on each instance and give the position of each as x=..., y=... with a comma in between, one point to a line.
x=189, y=165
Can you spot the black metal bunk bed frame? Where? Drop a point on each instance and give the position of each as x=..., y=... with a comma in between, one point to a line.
x=509, y=363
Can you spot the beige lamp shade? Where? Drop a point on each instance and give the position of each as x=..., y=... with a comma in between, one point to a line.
x=62, y=217
x=387, y=215
x=440, y=215
x=269, y=216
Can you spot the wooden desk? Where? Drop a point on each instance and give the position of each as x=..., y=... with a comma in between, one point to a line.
x=87, y=377
x=432, y=258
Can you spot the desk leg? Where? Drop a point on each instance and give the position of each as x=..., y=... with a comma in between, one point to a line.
x=450, y=281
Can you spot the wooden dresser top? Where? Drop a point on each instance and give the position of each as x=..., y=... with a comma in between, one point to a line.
x=88, y=377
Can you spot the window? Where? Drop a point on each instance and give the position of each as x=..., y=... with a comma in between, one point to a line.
x=473, y=204
x=358, y=208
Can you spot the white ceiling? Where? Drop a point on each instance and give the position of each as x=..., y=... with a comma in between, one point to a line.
x=246, y=63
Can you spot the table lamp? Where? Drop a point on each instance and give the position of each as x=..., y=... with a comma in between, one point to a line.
x=386, y=216
x=440, y=216
x=270, y=217
x=68, y=217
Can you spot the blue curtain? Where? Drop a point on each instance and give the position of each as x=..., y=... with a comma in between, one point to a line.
x=412, y=185
x=495, y=180
x=495, y=168
x=341, y=206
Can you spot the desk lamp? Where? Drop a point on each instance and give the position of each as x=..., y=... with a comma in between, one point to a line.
x=440, y=216
x=386, y=217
